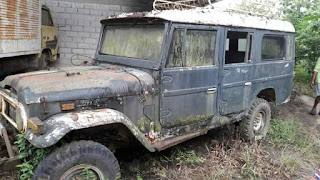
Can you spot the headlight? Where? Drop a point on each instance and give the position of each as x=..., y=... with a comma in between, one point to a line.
x=21, y=118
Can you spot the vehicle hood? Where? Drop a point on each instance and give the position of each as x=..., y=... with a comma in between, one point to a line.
x=75, y=83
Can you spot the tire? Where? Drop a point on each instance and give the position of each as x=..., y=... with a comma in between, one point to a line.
x=43, y=62
x=72, y=159
x=255, y=125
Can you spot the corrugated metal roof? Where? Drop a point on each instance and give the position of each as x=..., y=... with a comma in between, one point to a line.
x=19, y=19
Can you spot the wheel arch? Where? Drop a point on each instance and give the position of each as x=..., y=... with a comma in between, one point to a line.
x=268, y=94
x=47, y=51
x=58, y=126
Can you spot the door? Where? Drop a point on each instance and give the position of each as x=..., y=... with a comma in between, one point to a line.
x=190, y=76
x=235, y=89
x=49, y=33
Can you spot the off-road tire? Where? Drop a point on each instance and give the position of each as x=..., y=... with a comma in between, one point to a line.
x=43, y=61
x=75, y=154
x=247, y=129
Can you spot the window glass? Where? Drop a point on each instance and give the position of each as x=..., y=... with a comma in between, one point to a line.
x=236, y=47
x=290, y=45
x=46, y=18
x=141, y=42
x=242, y=45
x=176, y=51
x=200, y=48
x=272, y=47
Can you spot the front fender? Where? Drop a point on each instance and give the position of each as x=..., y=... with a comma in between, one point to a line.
x=59, y=125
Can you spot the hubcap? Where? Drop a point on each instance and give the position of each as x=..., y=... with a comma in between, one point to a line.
x=83, y=172
x=258, y=122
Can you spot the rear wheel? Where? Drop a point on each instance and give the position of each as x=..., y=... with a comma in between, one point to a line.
x=79, y=160
x=255, y=125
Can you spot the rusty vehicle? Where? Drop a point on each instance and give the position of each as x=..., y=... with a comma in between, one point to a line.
x=159, y=79
x=28, y=36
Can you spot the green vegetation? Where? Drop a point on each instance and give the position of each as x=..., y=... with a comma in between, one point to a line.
x=88, y=174
x=158, y=166
x=304, y=15
x=287, y=133
x=30, y=156
x=301, y=82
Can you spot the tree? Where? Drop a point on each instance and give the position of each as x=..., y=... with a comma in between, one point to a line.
x=304, y=15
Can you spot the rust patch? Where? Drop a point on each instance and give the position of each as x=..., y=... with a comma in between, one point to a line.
x=23, y=16
x=19, y=19
x=74, y=117
x=164, y=144
x=36, y=125
x=11, y=8
x=52, y=44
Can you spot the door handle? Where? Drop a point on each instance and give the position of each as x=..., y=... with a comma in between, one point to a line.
x=211, y=90
x=248, y=84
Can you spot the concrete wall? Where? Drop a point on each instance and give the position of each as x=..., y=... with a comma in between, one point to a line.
x=78, y=23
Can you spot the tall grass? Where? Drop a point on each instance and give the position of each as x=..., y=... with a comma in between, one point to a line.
x=301, y=81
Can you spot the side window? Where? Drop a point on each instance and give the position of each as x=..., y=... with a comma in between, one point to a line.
x=193, y=48
x=238, y=47
x=272, y=47
x=176, y=49
x=200, y=48
x=290, y=46
x=46, y=18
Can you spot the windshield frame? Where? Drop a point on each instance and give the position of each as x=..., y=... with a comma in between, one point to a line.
x=121, y=60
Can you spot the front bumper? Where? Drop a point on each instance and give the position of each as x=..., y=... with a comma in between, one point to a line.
x=20, y=112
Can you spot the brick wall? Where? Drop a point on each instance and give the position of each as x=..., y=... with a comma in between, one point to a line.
x=78, y=23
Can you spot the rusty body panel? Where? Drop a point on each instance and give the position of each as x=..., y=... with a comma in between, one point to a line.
x=19, y=27
x=49, y=34
x=58, y=126
x=160, y=105
x=74, y=83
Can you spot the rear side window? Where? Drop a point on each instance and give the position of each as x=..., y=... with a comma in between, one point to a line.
x=273, y=47
x=192, y=48
x=290, y=48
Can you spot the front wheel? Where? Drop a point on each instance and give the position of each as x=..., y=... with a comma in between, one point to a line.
x=43, y=61
x=79, y=160
x=255, y=125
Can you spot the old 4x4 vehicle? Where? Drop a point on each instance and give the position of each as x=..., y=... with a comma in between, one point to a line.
x=160, y=78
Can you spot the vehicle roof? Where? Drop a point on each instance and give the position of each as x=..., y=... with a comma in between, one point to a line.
x=209, y=16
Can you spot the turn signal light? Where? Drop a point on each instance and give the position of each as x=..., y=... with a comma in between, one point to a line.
x=67, y=107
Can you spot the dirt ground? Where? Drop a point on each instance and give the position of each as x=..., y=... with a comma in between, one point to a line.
x=222, y=155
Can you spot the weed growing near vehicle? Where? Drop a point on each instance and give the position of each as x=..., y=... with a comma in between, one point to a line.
x=301, y=81
x=30, y=156
x=287, y=133
x=88, y=174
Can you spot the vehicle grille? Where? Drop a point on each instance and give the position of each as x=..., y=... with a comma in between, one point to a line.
x=11, y=109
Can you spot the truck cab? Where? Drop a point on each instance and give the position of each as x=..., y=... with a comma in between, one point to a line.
x=49, y=39
x=160, y=78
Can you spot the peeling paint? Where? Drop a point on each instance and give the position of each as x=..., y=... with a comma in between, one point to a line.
x=212, y=16
x=59, y=125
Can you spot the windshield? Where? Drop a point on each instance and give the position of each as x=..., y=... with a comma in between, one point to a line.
x=139, y=42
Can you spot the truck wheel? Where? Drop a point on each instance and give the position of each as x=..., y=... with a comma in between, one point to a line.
x=79, y=160
x=43, y=62
x=255, y=125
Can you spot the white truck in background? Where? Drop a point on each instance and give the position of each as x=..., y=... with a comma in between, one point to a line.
x=28, y=36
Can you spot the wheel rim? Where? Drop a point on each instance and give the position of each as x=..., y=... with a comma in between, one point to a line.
x=259, y=122
x=77, y=173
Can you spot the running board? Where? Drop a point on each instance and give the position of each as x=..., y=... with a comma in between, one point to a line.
x=164, y=144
